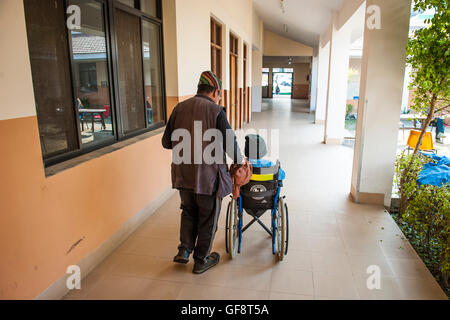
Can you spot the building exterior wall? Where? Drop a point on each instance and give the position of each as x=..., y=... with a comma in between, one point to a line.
x=43, y=216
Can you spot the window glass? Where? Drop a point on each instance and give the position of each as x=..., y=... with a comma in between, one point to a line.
x=51, y=77
x=265, y=79
x=218, y=34
x=149, y=7
x=218, y=59
x=283, y=70
x=73, y=75
x=131, y=90
x=265, y=70
x=152, y=72
x=90, y=73
x=130, y=3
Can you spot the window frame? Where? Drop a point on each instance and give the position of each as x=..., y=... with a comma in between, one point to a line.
x=216, y=47
x=109, y=7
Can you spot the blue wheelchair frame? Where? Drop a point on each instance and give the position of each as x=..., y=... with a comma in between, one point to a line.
x=272, y=233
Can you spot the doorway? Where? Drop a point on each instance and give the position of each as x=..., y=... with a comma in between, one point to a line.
x=282, y=84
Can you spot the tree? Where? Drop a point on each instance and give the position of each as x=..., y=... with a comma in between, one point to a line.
x=428, y=54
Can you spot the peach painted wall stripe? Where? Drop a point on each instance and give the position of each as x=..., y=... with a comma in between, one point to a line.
x=41, y=218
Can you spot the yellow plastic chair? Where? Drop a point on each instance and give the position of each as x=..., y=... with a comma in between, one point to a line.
x=427, y=142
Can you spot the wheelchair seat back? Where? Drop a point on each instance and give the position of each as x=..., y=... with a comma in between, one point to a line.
x=259, y=194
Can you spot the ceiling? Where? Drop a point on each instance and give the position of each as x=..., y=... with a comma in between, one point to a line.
x=306, y=20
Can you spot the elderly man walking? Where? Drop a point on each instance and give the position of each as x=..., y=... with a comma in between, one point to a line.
x=202, y=185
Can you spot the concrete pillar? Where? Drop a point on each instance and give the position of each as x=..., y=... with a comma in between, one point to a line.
x=337, y=82
x=314, y=80
x=322, y=80
x=382, y=79
x=256, y=80
x=405, y=99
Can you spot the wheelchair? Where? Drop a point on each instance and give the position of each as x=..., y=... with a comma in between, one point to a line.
x=260, y=195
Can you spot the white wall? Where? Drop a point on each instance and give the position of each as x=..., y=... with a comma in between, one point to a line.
x=314, y=81
x=193, y=43
x=16, y=85
x=170, y=47
x=257, y=61
x=382, y=79
x=337, y=83
x=275, y=45
x=193, y=38
x=257, y=80
x=322, y=81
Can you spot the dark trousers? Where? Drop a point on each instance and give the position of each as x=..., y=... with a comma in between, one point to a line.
x=199, y=219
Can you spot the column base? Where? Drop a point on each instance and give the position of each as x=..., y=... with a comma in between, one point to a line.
x=366, y=197
x=333, y=141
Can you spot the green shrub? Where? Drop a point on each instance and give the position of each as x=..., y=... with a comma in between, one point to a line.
x=349, y=109
x=424, y=215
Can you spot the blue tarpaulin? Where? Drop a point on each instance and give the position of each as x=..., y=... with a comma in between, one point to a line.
x=435, y=173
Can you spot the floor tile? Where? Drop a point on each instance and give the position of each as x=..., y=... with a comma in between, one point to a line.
x=337, y=264
x=292, y=281
x=288, y=296
x=126, y=288
x=332, y=240
x=389, y=289
x=334, y=286
x=409, y=268
x=420, y=289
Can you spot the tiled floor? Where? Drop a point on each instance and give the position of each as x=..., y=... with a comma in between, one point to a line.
x=332, y=243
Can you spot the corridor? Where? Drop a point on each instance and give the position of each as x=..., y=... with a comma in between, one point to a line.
x=332, y=240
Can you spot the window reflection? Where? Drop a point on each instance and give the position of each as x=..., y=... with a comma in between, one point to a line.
x=130, y=71
x=152, y=72
x=90, y=73
x=51, y=79
x=149, y=7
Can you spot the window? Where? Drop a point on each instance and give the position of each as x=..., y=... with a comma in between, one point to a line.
x=266, y=70
x=131, y=91
x=150, y=7
x=90, y=66
x=50, y=64
x=84, y=101
x=287, y=70
x=216, y=48
x=265, y=79
x=152, y=72
x=88, y=77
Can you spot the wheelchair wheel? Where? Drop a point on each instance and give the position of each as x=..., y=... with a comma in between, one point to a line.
x=282, y=229
x=232, y=226
x=227, y=247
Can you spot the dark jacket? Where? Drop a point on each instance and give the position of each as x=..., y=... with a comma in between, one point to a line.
x=200, y=178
